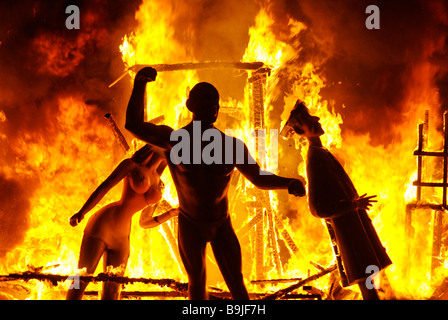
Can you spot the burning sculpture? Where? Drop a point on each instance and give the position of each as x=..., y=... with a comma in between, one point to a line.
x=369, y=87
x=107, y=232
x=333, y=197
x=202, y=183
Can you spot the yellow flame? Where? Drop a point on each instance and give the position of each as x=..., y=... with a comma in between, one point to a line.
x=80, y=137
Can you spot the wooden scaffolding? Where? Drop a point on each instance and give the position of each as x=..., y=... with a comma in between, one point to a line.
x=438, y=210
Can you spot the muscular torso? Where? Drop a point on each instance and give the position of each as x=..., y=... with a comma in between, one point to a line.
x=202, y=188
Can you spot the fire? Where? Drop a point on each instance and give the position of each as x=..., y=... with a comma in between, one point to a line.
x=80, y=136
x=263, y=46
x=48, y=241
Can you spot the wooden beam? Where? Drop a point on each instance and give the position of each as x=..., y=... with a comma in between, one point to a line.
x=195, y=66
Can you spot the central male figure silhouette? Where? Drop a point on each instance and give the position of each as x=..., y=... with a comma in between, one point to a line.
x=202, y=186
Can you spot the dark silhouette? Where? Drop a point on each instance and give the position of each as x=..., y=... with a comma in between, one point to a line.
x=333, y=197
x=201, y=185
x=107, y=231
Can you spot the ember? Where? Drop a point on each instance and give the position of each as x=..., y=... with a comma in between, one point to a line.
x=380, y=94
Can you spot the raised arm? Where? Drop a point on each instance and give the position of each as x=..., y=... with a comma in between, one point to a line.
x=266, y=180
x=116, y=176
x=157, y=135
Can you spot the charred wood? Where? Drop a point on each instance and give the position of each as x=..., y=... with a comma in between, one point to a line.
x=55, y=278
x=117, y=132
x=283, y=292
x=194, y=66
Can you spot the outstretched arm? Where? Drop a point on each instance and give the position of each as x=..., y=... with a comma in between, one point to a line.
x=157, y=135
x=266, y=180
x=116, y=176
x=148, y=221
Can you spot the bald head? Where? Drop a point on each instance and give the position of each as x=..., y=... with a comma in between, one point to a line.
x=203, y=102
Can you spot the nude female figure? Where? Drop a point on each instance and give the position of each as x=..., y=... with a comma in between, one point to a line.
x=107, y=231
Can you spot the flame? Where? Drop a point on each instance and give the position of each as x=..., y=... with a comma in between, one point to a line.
x=81, y=137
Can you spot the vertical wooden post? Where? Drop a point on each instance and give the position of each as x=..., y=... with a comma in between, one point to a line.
x=419, y=162
x=408, y=229
x=439, y=214
x=258, y=82
x=273, y=242
x=426, y=130
x=436, y=260
x=445, y=157
x=259, y=244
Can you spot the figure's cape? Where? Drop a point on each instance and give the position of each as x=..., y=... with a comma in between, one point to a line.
x=331, y=191
x=331, y=195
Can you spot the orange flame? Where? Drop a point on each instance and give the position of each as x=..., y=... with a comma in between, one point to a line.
x=385, y=170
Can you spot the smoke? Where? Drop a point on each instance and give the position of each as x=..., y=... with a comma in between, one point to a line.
x=40, y=62
x=369, y=72
x=41, y=58
x=216, y=31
